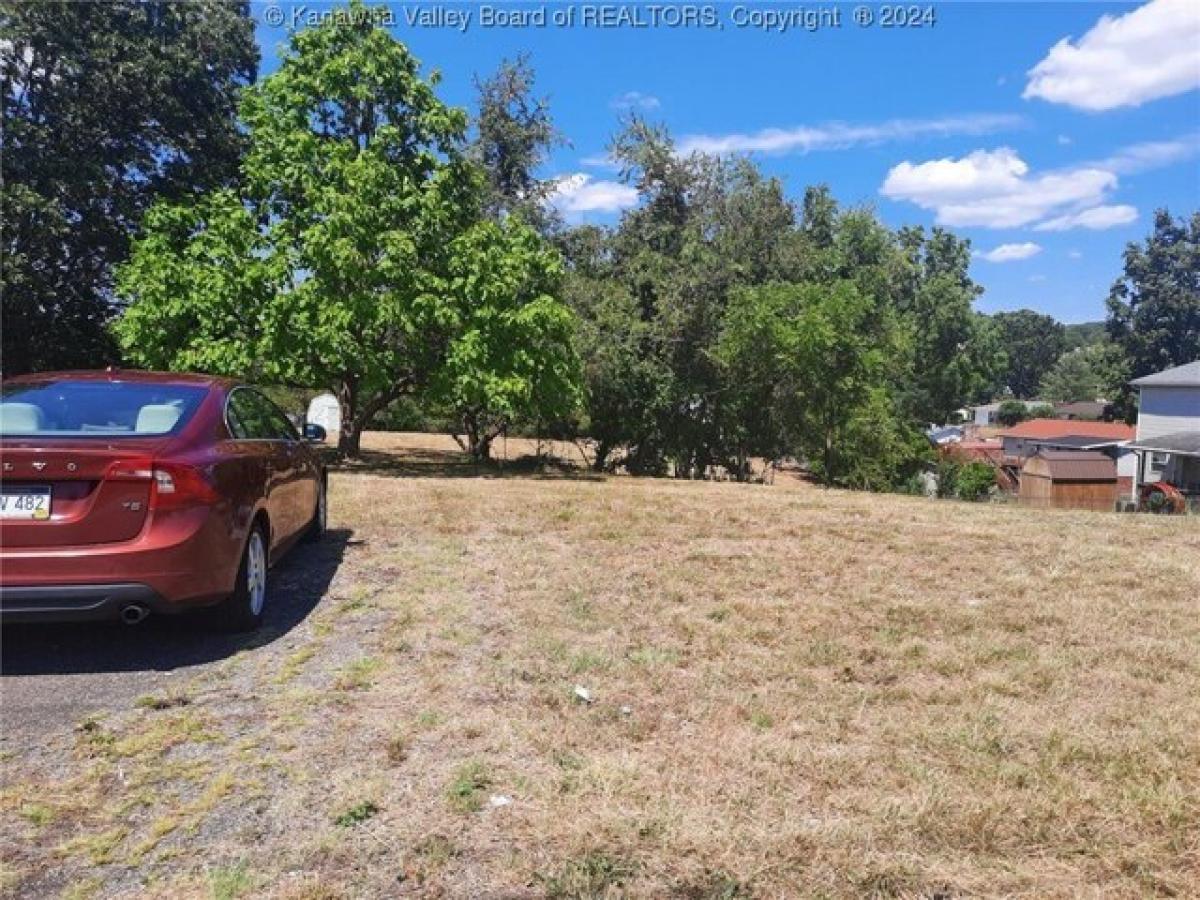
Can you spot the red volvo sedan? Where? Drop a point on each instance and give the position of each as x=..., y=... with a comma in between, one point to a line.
x=127, y=493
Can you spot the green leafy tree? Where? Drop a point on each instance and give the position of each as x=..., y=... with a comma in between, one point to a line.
x=1091, y=372
x=1154, y=307
x=627, y=381
x=107, y=107
x=514, y=135
x=753, y=352
x=1032, y=343
x=817, y=354
x=512, y=356
x=704, y=227
x=347, y=258
x=956, y=353
x=1084, y=334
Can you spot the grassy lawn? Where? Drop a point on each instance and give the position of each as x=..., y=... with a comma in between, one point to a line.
x=793, y=692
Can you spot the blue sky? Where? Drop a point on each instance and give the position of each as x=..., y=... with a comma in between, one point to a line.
x=1047, y=133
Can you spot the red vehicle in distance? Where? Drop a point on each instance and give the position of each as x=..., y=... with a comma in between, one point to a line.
x=129, y=493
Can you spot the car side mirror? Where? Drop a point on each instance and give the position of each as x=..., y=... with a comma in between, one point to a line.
x=314, y=433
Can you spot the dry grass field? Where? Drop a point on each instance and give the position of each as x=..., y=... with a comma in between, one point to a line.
x=791, y=692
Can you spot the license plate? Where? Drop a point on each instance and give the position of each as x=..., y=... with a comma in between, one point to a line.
x=25, y=502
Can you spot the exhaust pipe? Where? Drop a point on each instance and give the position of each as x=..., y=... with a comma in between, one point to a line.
x=133, y=613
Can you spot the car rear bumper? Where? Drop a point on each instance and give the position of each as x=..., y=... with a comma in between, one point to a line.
x=78, y=602
x=183, y=560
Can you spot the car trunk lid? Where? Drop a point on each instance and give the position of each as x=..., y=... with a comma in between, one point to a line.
x=96, y=494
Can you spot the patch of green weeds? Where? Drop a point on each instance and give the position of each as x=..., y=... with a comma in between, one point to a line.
x=38, y=814
x=465, y=792
x=592, y=875
x=357, y=814
x=357, y=676
x=229, y=882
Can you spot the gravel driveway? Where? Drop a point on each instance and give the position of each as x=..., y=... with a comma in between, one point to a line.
x=56, y=675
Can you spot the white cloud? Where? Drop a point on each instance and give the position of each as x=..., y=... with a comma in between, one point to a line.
x=995, y=189
x=1064, y=141
x=1096, y=219
x=1151, y=154
x=635, y=100
x=581, y=193
x=839, y=135
x=600, y=161
x=1012, y=252
x=1034, y=279
x=1074, y=254
x=1151, y=52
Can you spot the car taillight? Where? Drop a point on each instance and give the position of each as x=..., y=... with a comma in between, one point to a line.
x=177, y=486
x=130, y=470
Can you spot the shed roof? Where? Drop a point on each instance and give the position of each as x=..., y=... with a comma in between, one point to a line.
x=1185, y=443
x=1187, y=375
x=1061, y=428
x=1074, y=465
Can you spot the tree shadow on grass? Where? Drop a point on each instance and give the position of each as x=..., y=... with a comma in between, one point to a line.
x=432, y=463
x=164, y=643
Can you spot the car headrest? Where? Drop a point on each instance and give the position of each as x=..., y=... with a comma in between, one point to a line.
x=21, y=418
x=157, y=418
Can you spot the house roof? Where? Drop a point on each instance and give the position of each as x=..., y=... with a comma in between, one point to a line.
x=1187, y=375
x=1062, y=428
x=1185, y=443
x=1077, y=442
x=1074, y=465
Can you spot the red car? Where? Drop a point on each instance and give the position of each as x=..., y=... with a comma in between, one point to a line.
x=129, y=493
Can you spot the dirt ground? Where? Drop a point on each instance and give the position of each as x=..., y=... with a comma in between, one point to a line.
x=553, y=684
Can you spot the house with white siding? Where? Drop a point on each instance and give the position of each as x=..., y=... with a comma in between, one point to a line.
x=1168, y=429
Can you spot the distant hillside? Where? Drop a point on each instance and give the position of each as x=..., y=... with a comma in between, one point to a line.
x=1083, y=334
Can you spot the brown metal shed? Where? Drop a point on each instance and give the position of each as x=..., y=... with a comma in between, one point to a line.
x=1069, y=479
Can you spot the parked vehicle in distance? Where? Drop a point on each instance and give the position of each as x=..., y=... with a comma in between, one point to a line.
x=128, y=493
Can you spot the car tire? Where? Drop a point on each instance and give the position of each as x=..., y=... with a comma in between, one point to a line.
x=316, y=526
x=243, y=609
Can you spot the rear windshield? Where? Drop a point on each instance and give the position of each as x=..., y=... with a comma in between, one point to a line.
x=95, y=408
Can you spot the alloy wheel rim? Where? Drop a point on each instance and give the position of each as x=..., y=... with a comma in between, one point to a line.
x=256, y=573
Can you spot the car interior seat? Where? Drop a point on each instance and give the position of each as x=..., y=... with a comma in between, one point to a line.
x=157, y=418
x=21, y=418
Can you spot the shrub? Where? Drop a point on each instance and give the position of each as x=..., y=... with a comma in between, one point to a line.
x=974, y=481
x=947, y=477
x=964, y=481
x=1011, y=412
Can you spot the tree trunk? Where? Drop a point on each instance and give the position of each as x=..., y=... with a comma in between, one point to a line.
x=603, y=448
x=479, y=442
x=827, y=475
x=359, y=412
x=350, y=441
x=350, y=435
x=483, y=449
